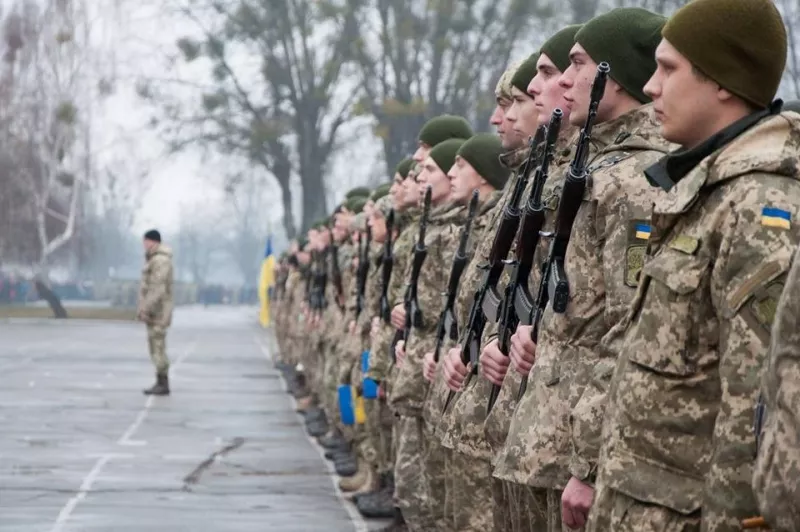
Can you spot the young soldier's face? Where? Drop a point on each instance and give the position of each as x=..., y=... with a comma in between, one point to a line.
x=464, y=179
x=434, y=176
x=396, y=190
x=547, y=91
x=523, y=114
x=411, y=191
x=422, y=152
x=377, y=224
x=577, y=80
x=685, y=104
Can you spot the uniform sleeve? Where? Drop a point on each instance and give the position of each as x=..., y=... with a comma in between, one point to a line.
x=776, y=482
x=157, y=288
x=747, y=281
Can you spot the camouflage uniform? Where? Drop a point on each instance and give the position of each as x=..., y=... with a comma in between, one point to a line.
x=410, y=388
x=775, y=482
x=155, y=302
x=695, y=338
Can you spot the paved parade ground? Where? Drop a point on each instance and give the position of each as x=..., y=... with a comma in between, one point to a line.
x=82, y=450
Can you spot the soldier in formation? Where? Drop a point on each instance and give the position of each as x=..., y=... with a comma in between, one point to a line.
x=584, y=321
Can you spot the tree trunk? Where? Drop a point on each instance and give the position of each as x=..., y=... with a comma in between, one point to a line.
x=314, y=204
x=59, y=312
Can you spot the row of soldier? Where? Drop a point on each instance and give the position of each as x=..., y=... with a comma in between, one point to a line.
x=568, y=325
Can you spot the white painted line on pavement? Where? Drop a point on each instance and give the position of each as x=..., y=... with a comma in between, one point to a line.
x=126, y=440
x=86, y=485
x=355, y=517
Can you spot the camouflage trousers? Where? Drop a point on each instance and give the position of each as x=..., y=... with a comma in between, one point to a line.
x=410, y=482
x=379, y=434
x=157, y=343
x=532, y=508
x=469, y=503
x=616, y=511
x=434, y=464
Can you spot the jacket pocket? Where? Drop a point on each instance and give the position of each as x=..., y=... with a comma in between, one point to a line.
x=667, y=322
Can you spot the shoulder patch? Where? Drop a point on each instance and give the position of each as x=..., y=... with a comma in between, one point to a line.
x=759, y=312
x=774, y=217
x=638, y=236
x=685, y=244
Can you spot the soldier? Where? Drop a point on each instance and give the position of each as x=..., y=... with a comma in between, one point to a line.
x=470, y=506
x=155, y=306
x=678, y=443
x=776, y=486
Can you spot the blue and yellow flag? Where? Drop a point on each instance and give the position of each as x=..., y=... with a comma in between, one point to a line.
x=266, y=282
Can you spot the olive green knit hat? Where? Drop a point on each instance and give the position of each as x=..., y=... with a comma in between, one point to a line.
x=356, y=204
x=626, y=38
x=444, y=127
x=558, y=46
x=358, y=191
x=525, y=73
x=483, y=152
x=740, y=44
x=380, y=192
x=403, y=167
x=444, y=153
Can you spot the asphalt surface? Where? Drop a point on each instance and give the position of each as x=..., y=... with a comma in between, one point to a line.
x=82, y=450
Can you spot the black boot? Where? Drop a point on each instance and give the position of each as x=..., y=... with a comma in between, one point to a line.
x=161, y=387
x=398, y=524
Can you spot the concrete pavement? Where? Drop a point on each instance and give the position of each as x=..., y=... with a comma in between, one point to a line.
x=82, y=450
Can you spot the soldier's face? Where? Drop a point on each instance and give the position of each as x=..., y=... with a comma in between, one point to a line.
x=577, y=81
x=434, y=176
x=464, y=179
x=411, y=189
x=303, y=257
x=396, y=190
x=522, y=114
x=422, y=152
x=546, y=90
x=686, y=104
x=378, y=225
x=148, y=245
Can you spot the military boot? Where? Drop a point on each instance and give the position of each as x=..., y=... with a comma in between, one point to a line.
x=161, y=387
x=333, y=440
x=398, y=524
x=346, y=467
x=360, y=482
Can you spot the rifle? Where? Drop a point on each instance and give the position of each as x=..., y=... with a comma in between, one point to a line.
x=531, y=226
x=486, y=299
x=362, y=271
x=410, y=300
x=554, y=285
x=336, y=273
x=387, y=265
x=448, y=327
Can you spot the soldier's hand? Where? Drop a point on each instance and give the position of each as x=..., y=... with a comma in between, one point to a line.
x=398, y=317
x=351, y=327
x=428, y=367
x=375, y=328
x=400, y=352
x=455, y=372
x=494, y=365
x=523, y=350
x=381, y=392
x=576, y=501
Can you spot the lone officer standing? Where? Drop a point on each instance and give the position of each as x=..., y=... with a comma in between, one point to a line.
x=155, y=306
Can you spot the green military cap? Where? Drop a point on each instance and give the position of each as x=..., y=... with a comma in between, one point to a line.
x=356, y=204
x=404, y=166
x=319, y=224
x=740, y=44
x=483, y=152
x=358, y=191
x=626, y=38
x=444, y=154
x=380, y=192
x=444, y=127
x=558, y=46
x=525, y=73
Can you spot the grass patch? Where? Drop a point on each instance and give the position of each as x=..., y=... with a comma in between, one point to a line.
x=77, y=313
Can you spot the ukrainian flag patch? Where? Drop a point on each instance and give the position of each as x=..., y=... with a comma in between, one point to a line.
x=642, y=231
x=773, y=217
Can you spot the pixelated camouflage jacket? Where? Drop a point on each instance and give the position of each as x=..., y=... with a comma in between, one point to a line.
x=775, y=480
x=410, y=387
x=155, y=289
x=434, y=403
x=678, y=429
x=604, y=255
